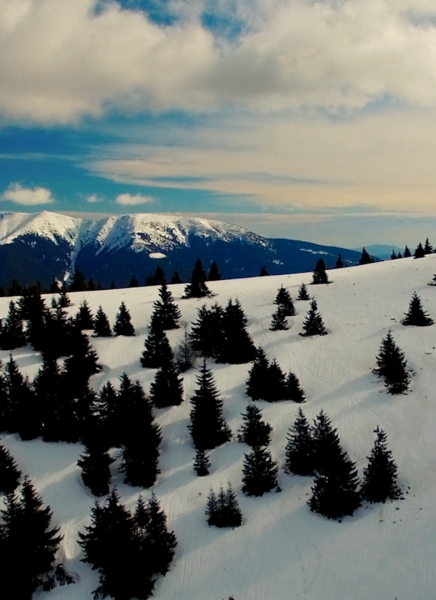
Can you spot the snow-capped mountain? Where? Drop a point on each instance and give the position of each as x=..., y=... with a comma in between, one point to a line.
x=113, y=249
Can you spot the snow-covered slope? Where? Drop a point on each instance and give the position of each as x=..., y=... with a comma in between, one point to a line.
x=282, y=551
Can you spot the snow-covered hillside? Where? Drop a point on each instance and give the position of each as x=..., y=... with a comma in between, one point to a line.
x=282, y=551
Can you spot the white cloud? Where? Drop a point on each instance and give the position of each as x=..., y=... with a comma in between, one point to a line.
x=136, y=200
x=94, y=198
x=60, y=61
x=28, y=196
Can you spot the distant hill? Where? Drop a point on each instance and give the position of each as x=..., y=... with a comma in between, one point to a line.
x=38, y=247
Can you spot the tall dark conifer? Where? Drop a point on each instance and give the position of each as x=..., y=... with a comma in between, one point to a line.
x=185, y=354
x=380, y=476
x=294, y=391
x=9, y=472
x=365, y=258
x=238, y=347
x=197, y=287
x=283, y=299
x=319, y=273
x=201, y=463
x=258, y=377
x=123, y=323
x=313, y=323
x=259, y=472
x=12, y=334
x=254, y=430
x=278, y=321
x=84, y=318
x=300, y=447
x=303, y=293
x=416, y=315
x=95, y=464
x=156, y=346
x=207, y=335
x=102, y=327
x=166, y=309
x=392, y=366
x=214, y=274
x=167, y=387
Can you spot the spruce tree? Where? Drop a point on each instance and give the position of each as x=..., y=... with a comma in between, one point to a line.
x=365, y=258
x=211, y=509
x=101, y=324
x=399, y=255
x=313, y=323
x=84, y=319
x=156, y=346
x=133, y=282
x=259, y=472
x=107, y=412
x=303, y=293
x=393, y=255
x=339, y=263
x=12, y=334
x=279, y=322
x=254, y=430
x=207, y=335
x=283, y=299
x=9, y=472
x=238, y=347
x=293, y=388
x=223, y=510
x=59, y=333
x=63, y=299
x=158, y=278
x=78, y=282
x=263, y=271
x=166, y=309
x=185, y=354
x=300, y=447
x=201, y=463
x=276, y=383
x=214, y=274
x=407, y=253
x=123, y=324
x=95, y=464
x=416, y=314
x=161, y=542
x=79, y=367
x=380, y=476
x=208, y=427
x=197, y=287
x=419, y=251
x=327, y=449
x=319, y=273
x=428, y=248
x=167, y=387
x=392, y=366
x=257, y=386
x=55, y=407
x=176, y=278
x=22, y=414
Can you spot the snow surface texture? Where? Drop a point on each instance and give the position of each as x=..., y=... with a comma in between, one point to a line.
x=282, y=551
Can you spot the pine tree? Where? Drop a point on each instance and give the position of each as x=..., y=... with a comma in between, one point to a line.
x=428, y=248
x=15, y=288
x=157, y=348
x=211, y=508
x=63, y=300
x=259, y=472
x=293, y=388
x=276, y=383
x=283, y=299
x=59, y=333
x=12, y=334
x=319, y=273
x=327, y=449
x=123, y=325
x=223, y=510
x=54, y=286
x=22, y=415
x=78, y=282
x=313, y=323
x=95, y=464
x=416, y=314
x=392, y=366
x=201, y=463
x=365, y=258
x=263, y=271
x=79, y=367
x=380, y=476
x=167, y=387
x=208, y=427
x=197, y=287
x=176, y=278
x=161, y=542
x=29, y=543
x=166, y=310
x=257, y=386
x=279, y=322
x=254, y=430
x=9, y=472
x=214, y=274
x=300, y=447
x=207, y=335
x=419, y=251
x=238, y=347
x=185, y=355
x=339, y=263
x=84, y=319
x=158, y=278
x=55, y=408
x=303, y=293
x=393, y=255
x=133, y=282
x=399, y=255
x=407, y=253
x=101, y=324
x=107, y=412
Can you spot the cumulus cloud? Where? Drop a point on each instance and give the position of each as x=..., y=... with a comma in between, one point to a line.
x=93, y=198
x=133, y=200
x=28, y=196
x=60, y=61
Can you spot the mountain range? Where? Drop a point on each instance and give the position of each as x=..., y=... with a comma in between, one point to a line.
x=47, y=245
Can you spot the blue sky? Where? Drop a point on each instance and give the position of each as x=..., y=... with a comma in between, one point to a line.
x=310, y=120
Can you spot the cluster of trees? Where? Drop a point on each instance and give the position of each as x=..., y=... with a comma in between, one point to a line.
x=266, y=381
x=285, y=308
x=127, y=550
x=222, y=509
x=316, y=450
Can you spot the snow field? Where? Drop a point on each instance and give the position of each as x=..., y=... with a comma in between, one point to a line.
x=282, y=551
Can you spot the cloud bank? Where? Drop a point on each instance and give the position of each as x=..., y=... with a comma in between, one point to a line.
x=28, y=196
x=61, y=61
x=133, y=200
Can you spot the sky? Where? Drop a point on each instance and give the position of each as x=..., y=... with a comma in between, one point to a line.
x=307, y=119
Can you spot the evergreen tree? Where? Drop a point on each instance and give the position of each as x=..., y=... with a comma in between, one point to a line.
x=133, y=282
x=278, y=321
x=407, y=253
x=254, y=430
x=95, y=464
x=428, y=248
x=283, y=299
x=158, y=278
x=365, y=258
x=419, y=251
x=54, y=406
x=166, y=310
x=84, y=319
x=123, y=325
x=392, y=366
x=313, y=323
x=79, y=367
x=300, y=447
x=399, y=255
x=63, y=300
x=101, y=324
x=59, y=334
x=259, y=472
x=303, y=293
x=339, y=263
x=380, y=476
x=238, y=347
x=416, y=314
x=9, y=472
x=223, y=510
x=15, y=288
x=161, y=542
x=197, y=287
x=22, y=415
x=185, y=355
x=327, y=449
x=207, y=336
x=167, y=387
x=394, y=255
x=319, y=273
x=157, y=348
x=208, y=427
x=107, y=412
x=276, y=383
x=258, y=377
x=12, y=334
x=201, y=463
x=176, y=278
x=54, y=286
x=293, y=388
x=214, y=274
x=78, y=282
x=4, y=404
x=263, y=271
x=29, y=544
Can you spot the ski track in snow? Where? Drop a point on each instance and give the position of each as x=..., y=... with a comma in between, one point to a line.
x=282, y=551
